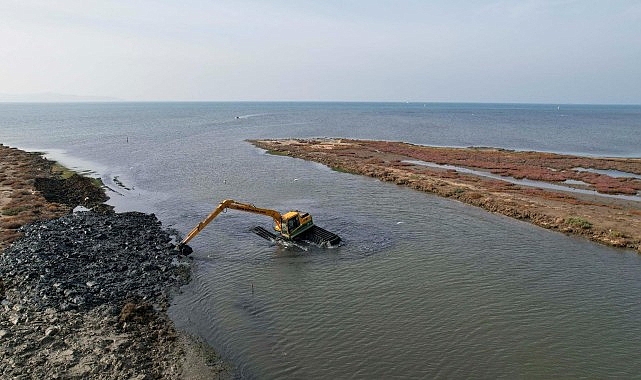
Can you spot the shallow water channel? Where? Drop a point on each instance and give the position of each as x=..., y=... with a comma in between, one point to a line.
x=540, y=184
x=422, y=287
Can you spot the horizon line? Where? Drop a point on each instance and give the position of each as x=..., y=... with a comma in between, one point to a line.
x=116, y=100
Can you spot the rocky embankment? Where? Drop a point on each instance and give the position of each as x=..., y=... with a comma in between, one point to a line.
x=611, y=214
x=84, y=295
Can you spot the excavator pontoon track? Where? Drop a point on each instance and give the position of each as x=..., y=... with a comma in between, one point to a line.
x=260, y=231
x=316, y=235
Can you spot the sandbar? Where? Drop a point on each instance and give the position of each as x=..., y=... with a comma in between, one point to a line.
x=593, y=197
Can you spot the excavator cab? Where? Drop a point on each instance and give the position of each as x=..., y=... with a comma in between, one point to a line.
x=293, y=223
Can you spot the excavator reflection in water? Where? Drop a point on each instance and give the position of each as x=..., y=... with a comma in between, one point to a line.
x=291, y=226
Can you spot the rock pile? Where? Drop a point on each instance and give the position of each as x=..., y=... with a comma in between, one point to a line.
x=84, y=296
x=88, y=259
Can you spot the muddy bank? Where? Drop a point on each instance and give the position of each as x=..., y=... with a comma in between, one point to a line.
x=85, y=295
x=598, y=214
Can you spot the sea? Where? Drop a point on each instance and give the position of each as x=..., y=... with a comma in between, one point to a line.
x=421, y=287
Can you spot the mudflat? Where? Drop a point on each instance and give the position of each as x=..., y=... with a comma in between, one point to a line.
x=596, y=198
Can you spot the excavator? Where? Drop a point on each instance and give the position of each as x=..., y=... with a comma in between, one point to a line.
x=291, y=226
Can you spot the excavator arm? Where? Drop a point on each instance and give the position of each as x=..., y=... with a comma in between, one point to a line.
x=292, y=225
x=232, y=204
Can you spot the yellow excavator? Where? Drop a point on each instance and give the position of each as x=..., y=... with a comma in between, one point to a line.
x=293, y=225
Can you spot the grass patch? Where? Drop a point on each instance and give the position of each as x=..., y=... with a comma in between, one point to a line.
x=341, y=170
x=66, y=173
x=13, y=211
x=616, y=234
x=277, y=152
x=579, y=222
x=15, y=222
x=62, y=171
x=97, y=182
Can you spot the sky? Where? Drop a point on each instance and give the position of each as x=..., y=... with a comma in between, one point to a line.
x=527, y=51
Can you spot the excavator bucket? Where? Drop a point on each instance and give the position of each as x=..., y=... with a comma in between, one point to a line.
x=184, y=249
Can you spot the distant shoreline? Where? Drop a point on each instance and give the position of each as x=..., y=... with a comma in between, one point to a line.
x=51, y=97
x=61, y=98
x=586, y=203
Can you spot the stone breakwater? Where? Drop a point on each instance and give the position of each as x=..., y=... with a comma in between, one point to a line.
x=85, y=295
x=86, y=259
x=605, y=219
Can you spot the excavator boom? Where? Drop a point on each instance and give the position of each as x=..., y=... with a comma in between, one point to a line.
x=230, y=203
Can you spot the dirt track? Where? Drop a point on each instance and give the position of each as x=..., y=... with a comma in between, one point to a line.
x=608, y=220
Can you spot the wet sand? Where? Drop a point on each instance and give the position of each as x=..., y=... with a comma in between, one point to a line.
x=608, y=211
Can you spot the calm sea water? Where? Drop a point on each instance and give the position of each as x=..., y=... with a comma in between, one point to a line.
x=422, y=287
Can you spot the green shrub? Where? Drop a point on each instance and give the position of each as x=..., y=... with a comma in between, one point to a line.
x=579, y=222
